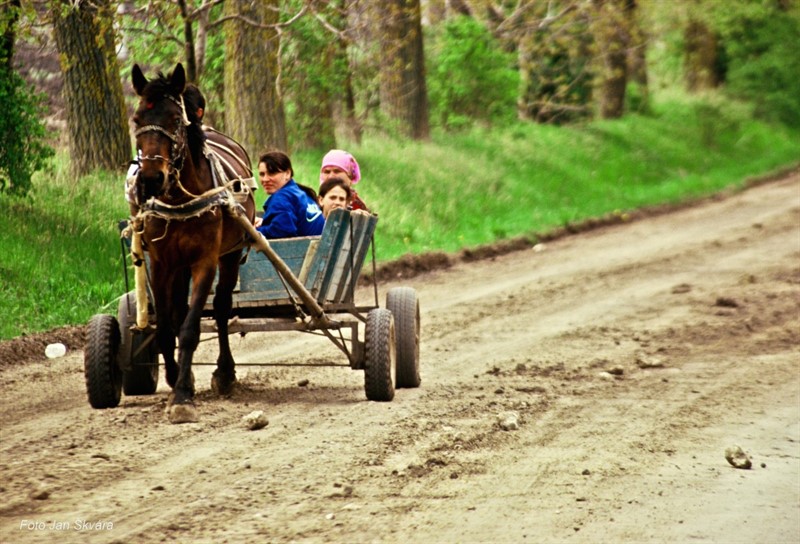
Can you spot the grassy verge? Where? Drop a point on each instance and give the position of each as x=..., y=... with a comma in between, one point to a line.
x=60, y=254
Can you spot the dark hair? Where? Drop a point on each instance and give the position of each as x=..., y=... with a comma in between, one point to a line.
x=276, y=161
x=193, y=100
x=330, y=183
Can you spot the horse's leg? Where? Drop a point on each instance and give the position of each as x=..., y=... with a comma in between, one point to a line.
x=225, y=375
x=165, y=331
x=179, y=307
x=182, y=409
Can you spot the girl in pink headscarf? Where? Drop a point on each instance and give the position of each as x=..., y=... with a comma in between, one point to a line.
x=339, y=163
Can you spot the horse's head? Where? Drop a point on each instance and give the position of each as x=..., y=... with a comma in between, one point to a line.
x=159, y=122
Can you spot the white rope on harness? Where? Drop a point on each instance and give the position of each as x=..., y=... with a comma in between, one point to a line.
x=217, y=160
x=170, y=212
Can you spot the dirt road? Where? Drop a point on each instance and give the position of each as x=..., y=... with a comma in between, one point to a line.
x=632, y=356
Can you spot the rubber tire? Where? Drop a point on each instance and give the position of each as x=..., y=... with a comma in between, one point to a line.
x=141, y=378
x=381, y=355
x=403, y=303
x=103, y=376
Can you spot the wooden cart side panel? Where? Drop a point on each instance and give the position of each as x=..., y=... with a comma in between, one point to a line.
x=348, y=262
x=328, y=266
x=333, y=236
x=259, y=281
x=363, y=227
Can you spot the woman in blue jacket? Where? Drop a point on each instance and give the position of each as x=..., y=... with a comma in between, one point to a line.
x=289, y=210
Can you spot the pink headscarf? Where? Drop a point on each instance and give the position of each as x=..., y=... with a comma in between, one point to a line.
x=345, y=161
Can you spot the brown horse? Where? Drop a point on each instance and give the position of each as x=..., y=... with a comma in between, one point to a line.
x=185, y=217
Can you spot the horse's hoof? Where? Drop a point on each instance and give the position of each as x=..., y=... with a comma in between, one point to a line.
x=182, y=413
x=222, y=384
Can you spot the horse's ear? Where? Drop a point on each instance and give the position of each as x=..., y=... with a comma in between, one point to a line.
x=138, y=79
x=178, y=79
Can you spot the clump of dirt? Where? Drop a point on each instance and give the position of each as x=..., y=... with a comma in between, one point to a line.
x=409, y=266
x=31, y=347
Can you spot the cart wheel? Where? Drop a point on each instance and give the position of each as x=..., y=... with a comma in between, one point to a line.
x=139, y=371
x=103, y=376
x=403, y=303
x=381, y=355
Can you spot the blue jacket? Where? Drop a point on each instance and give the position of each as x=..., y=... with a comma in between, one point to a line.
x=290, y=212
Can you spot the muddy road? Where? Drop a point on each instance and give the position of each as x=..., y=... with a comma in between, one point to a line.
x=632, y=356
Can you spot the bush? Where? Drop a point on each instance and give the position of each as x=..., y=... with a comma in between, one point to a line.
x=23, y=150
x=469, y=75
x=762, y=47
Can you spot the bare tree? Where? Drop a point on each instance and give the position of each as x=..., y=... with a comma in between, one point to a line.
x=96, y=118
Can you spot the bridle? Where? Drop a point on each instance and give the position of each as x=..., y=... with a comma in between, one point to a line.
x=177, y=151
x=198, y=205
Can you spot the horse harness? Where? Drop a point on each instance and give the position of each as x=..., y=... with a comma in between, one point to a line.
x=221, y=195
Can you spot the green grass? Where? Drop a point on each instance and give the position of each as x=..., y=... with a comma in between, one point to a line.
x=61, y=257
x=60, y=254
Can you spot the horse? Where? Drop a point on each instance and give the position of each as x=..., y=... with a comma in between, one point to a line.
x=187, y=225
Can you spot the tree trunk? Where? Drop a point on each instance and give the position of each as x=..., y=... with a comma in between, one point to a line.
x=314, y=101
x=459, y=7
x=701, y=57
x=639, y=97
x=612, y=36
x=403, y=91
x=99, y=136
x=254, y=113
x=201, y=40
x=188, y=43
x=353, y=127
x=347, y=120
x=435, y=11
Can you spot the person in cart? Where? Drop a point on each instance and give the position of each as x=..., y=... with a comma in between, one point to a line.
x=335, y=192
x=341, y=164
x=291, y=209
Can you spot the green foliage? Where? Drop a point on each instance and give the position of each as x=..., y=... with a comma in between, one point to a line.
x=314, y=73
x=475, y=187
x=762, y=49
x=759, y=52
x=23, y=147
x=556, y=67
x=61, y=251
x=61, y=254
x=154, y=38
x=470, y=77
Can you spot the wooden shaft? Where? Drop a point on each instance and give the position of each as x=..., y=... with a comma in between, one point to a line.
x=140, y=281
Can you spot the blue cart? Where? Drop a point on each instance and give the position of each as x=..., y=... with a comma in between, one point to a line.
x=306, y=285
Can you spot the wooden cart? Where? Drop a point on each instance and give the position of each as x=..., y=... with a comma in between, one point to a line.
x=298, y=284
